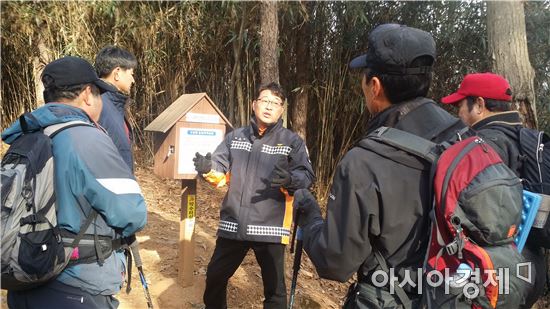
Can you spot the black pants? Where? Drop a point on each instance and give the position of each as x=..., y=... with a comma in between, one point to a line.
x=55, y=295
x=367, y=296
x=536, y=256
x=227, y=257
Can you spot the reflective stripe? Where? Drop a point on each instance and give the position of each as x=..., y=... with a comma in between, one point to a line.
x=282, y=150
x=263, y=230
x=228, y=226
x=241, y=145
x=120, y=185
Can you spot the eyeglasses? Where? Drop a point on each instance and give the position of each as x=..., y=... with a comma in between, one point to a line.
x=265, y=102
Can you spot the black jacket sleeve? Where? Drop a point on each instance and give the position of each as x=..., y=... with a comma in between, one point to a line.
x=301, y=172
x=339, y=245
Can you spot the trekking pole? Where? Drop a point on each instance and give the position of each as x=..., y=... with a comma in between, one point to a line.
x=297, y=261
x=294, y=232
x=137, y=260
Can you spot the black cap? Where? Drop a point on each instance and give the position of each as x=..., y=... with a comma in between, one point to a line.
x=393, y=47
x=70, y=71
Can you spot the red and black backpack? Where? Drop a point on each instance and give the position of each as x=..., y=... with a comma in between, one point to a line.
x=472, y=260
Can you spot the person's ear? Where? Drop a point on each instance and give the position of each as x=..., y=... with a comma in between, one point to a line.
x=87, y=95
x=376, y=86
x=480, y=102
x=116, y=72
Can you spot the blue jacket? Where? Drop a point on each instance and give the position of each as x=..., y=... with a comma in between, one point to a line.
x=88, y=166
x=113, y=120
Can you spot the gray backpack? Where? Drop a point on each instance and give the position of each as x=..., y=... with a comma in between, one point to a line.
x=32, y=248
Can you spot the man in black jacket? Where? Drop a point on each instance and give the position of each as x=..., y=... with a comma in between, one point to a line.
x=484, y=102
x=265, y=163
x=379, y=200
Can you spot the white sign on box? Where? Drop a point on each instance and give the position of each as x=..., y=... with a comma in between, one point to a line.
x=194, y=140
x=203, y=118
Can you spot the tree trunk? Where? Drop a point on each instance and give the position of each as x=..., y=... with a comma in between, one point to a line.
x=269, y=36
x=300, y=106
x=510, y=58
x=269, y=60
x=235, y=86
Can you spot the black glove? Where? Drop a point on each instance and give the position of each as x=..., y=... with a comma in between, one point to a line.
x=203, y=164
x=280, y=177
x=306, y=207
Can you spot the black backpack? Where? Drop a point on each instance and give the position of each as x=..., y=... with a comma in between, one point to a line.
x=535, y=172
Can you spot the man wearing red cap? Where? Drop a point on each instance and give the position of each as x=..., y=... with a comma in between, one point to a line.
x=484, y=102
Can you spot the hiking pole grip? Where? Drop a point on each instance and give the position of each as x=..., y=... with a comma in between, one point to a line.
x=134, y=247
x=296, y=266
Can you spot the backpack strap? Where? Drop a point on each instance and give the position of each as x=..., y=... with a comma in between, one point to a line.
x=23, y=123
x=129, y=264
x=91, y=217
x=53, y=130
x=407, y=142
x=401, y=294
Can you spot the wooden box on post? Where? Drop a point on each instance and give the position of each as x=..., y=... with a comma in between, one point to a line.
x=193, y=123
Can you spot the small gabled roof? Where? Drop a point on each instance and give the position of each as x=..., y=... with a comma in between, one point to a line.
x=180, y=107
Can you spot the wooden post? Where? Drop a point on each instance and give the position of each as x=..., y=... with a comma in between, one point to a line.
x=187, y=231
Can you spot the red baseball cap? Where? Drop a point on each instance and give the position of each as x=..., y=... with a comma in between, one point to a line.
x=485, y=85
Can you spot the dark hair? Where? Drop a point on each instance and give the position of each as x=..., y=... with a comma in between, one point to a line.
x=275, y=88
x=54, y=94
x=399, y=88
x=110, y=57
x=491, y=105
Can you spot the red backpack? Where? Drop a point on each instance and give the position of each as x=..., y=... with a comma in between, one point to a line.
x=471, y=261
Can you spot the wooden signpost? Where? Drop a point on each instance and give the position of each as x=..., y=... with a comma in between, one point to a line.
x=187, y=231
x=192, y=123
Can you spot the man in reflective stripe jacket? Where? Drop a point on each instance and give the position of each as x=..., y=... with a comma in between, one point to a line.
x=262, y=163
x=89, y=173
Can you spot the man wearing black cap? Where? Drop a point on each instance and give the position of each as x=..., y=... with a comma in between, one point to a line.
x=89, y=174
x=378, y=207
x=484, y=102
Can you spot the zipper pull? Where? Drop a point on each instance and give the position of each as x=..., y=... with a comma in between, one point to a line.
x=540, y=150
x=482, y=143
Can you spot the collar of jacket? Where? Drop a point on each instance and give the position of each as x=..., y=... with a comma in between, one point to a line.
x=119, y=100
x=420, y=116
x=46, y=115
x=391, y=115
x=254, y=132
x=511, y=118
